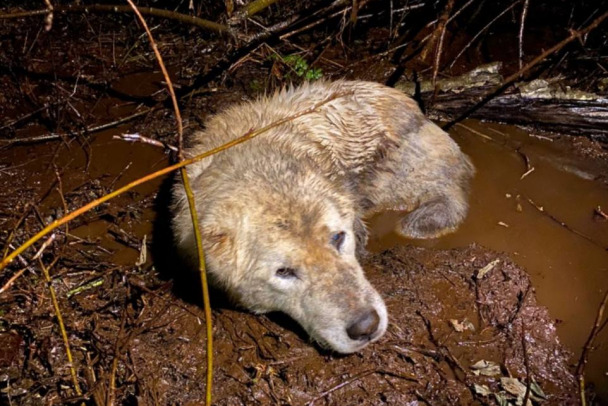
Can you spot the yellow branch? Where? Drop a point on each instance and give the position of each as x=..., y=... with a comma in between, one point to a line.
x=191, y=206
x=64, y=333
x=110, y=8
x=202, y=266
x=70, y=216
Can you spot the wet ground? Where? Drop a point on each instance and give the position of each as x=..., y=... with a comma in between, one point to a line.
x=567, y=263
x=138, y=336
x=263, y=359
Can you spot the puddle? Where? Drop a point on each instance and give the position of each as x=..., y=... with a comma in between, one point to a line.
x=126, y=313
x=569, y=272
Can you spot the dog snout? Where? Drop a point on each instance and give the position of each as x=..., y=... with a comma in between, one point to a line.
x=365, y=326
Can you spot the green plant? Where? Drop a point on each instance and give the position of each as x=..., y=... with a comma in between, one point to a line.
x=299, y=66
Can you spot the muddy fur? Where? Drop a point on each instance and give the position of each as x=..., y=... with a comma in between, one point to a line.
x=281, y=215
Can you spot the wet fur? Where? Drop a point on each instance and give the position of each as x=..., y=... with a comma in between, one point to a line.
x=276, y=200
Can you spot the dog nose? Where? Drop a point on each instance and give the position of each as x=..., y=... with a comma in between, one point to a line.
x=365, y=326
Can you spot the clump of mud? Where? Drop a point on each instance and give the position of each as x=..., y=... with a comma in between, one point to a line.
x=465, y=328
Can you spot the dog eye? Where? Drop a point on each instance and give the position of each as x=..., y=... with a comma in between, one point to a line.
x=338, y=239
x=286, y=273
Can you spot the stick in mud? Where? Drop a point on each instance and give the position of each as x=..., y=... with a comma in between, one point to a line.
x=563, y=224
x=574, y=34
x=92, y=129
x=341, y=385
x=192, y=205
x=111, y=8
x=598, y=326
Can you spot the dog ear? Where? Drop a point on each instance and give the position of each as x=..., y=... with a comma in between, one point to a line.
x=217, y=241
x=220, y=248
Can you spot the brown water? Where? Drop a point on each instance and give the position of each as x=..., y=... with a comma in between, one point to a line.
x=570, y=272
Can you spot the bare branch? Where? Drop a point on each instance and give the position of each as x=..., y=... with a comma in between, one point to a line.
x=524, y=13
x=108, y=8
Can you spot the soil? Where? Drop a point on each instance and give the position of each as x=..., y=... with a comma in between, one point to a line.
x=159, y=339
x=135, y=324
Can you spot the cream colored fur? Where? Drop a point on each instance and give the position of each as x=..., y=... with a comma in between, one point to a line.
x=276, y=201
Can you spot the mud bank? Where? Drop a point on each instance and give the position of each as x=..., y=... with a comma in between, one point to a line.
x=431, y=294
x=137, y=339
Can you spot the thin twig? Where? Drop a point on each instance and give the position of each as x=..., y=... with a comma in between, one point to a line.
x=83, y=209
x=296, y=20
x=92, y=129
x=529, y=167
x=444, y=26
x=9, y=239
x=204, y=282
x=192, y=206
x=524, y=13
x=12, y=279
x=525, y=157
x=488, y=25
x=482, y=135
x=251, y=9
x=563, y=224
x=144, y=140
x=358, y=377
x=64, y=333
x=441, y=29
x=526, y=173
x=315, y=23
x=48, y=20
x=599, y=212
x=109, y=8
x=112, y=384
x=582, y=362
x=340, y=385
x=574, y=34
x=44, y=246
x=268, y=31
x=26, y=116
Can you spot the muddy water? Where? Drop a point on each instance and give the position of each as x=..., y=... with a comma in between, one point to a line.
x=116, y=163
x=570, y=272
x=87, y=171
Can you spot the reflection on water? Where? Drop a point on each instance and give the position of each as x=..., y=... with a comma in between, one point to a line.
x=569, y=271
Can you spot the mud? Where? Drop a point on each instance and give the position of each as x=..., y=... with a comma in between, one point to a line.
x=268, y=360
x=137, y=332
x=157, y=330
x=568, y=262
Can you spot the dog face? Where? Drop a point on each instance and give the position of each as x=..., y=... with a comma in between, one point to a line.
x=290, y=247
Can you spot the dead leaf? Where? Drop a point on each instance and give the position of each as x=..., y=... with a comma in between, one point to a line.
x=143, y=252
x=515, y=387
x=482, y=390
x=461, y=326
x=501, y=399
x=537, y=390
x=485, y=368
x=483, y=271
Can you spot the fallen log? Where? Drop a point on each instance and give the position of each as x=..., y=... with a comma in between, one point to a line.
x=545, y=104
